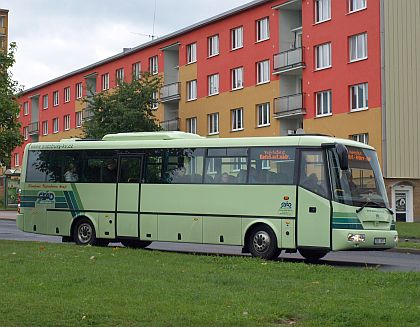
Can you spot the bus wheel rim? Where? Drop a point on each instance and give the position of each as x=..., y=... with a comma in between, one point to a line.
x=85, y=233
x=261, y=241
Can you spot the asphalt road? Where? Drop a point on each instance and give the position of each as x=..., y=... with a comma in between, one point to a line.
x=381, y=260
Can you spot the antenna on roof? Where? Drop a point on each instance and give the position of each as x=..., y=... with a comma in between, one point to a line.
x=151, y=36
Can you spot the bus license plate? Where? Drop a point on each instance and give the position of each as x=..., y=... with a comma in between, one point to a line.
x=379, y=240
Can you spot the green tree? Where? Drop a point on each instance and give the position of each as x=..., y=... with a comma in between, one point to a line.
x=127, y=108
x=10, y=135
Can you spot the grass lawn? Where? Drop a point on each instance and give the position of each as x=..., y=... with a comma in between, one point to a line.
x=408, y=230
x=409, y=245
x=66, y=285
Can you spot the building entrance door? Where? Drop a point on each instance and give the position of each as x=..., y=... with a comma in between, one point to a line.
x=402, y=197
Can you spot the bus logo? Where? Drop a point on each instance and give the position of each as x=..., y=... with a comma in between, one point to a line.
x=46, y=197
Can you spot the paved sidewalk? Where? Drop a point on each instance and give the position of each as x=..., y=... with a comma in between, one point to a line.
x=9, y=215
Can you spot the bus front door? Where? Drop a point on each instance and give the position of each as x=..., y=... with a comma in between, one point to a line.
x=128, y=196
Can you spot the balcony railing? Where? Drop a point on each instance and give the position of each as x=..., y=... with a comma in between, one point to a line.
x=170, y=92
x=33, y=128
x=290, y=105
x=87, y=114
x=288, y=60
x=170, y=125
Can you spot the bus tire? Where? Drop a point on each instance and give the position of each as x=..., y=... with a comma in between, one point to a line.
x=262, y=243
x=136, y=244
x=84, y=232
x=312, y=255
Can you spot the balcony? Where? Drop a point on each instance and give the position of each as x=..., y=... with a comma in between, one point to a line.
x=170, y=92
x=87, y=114
x=290, y=61
x=289, y=106
x=33, y=128
x=170, y=125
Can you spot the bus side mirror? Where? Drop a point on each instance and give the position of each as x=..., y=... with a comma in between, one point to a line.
x=343, y=156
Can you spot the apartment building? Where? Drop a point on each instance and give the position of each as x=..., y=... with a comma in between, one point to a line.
x=4, y=29
x=271, y=67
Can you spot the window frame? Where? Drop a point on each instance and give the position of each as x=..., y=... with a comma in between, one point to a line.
x=357, y=9
x=136, y=70
x=361, y=137
x=237, y=38
x=45, y=102
x=78, y=119
x=67, y=91
x=153, y=65
x=319, y=10
x=356, y=45
x=44, y=127
x=191, y=125
x=119, y=76
x=79, y=90
x=26, y=133
x=263, y=111
x=105, y=82
x=56, y=98
x=192, y=90
x=235, y=78
x=237, y=119
x=365, y=95
x=329, y=103
x=192, y=53
x=317, y=56
x=262, y=31
x=56, y=125
x=263, y=70
x=210, y=80
x=213, y=48
x=213, y=123
x=66, y=122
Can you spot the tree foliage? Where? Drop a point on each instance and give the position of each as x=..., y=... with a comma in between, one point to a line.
x=10, y=135
x=127, y=108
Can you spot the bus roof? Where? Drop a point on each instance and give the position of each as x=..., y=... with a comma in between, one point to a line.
x=182, y=139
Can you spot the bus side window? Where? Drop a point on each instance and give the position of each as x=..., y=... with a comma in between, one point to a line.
x=313, y=175
x=153, y=170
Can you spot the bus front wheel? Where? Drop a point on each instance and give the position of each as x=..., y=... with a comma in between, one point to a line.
x=262, y=243
x=84, y=232
x=312, y=255
x=135, y=244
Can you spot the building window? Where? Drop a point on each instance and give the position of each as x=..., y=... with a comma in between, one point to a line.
x=26, y=108
x=263, y=114
x=66, y=94
x=45, y=127
x=2, y=21
x=237, y=78
x=323, y=56
x=362, y=138
x=155, y=103
x=358, y=47
x=55, y=125
x=56, y=98
x=191, y=53
x=79, y=119
x=355, y=5
x=66, y=122
x=105, y=82
x=359, y=97
x=45, y=101
x=136, y=69
x=263, y=72
x=213, y=44
x=192, y=125
x=25, y=133
x=213, y=84
x=213, y=123
x=192, y=90
x=323, y=103
x=17, y=163
x=79, y=90
x=322, y=10
x=263, y=29
x=153, y=65
x=237, y=119
x=237, y=38
x=119, y=76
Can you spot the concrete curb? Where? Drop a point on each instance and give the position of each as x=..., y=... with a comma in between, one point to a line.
x=405, y=250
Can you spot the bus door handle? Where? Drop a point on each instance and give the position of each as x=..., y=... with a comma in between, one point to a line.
x=312, y=209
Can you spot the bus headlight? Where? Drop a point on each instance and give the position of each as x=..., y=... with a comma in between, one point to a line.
x=356, y=238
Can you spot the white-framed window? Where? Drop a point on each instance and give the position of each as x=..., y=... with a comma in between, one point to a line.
x=136, y=70
x=237, y=78
x=153, y=65
x=356, y=5
x=322, y=10
x=66, y=122
x=119, y=76
x=56, y=98
x=55, y=125
x=362, y=138
x=17, y=163
x=26, y=108
x=45, y=101
x=155, y=103
x=213, y=123
x=45, y=127
x=265, y=164
x=263, y=72
x=324, y=103
x=213, y=81
x=79, y=90
x=263, y=29
x=26, y=133
x=358, y=47
x=79, y=118
x=192, y=90
x=263, y=114
x=192, y=125
x=105, y=82
x=359, y=96
x=237, y=37
x=237, y=119
x=191, y=53
x=323, y=56
x=213, y=45
x=66, y=94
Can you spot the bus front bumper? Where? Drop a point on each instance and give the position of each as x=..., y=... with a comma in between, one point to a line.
x=348, y=239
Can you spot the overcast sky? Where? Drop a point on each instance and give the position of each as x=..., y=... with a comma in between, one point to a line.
x=55, y=37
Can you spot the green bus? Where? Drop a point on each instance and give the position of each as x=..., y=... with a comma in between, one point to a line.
x=306, y=193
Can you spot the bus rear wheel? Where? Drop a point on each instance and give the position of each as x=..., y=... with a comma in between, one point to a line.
x=312, y=255
x=136, y=244
x=84, y=233
x=262, y=243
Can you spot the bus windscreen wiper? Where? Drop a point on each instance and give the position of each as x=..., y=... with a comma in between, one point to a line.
x=376, y=204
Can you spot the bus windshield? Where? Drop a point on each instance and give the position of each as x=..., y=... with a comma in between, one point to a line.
x=362, y=184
